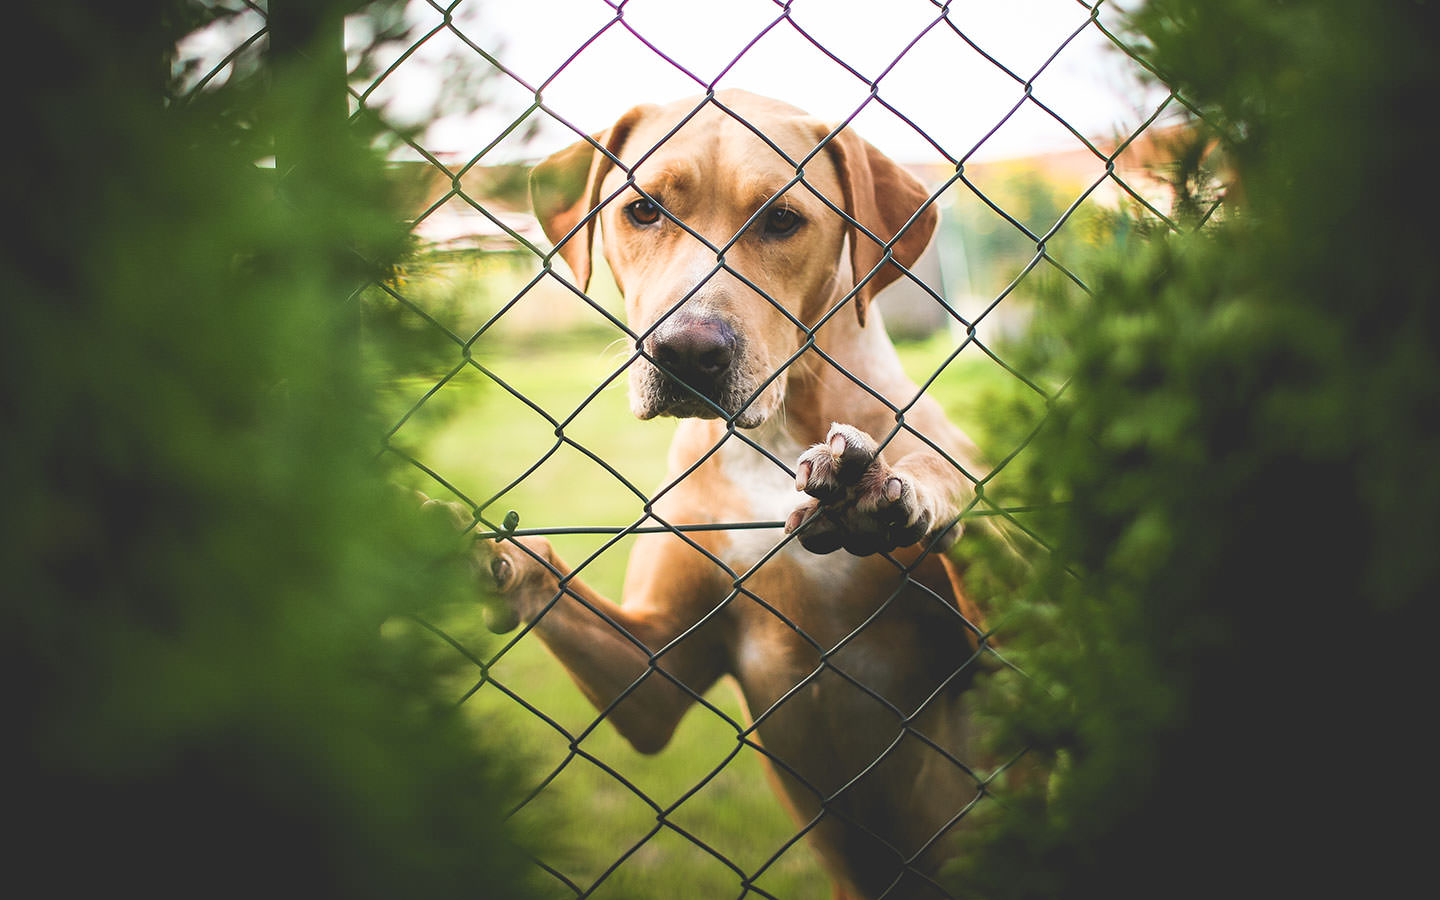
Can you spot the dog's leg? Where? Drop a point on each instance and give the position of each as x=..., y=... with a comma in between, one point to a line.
x=643, y=664
x=865, y=506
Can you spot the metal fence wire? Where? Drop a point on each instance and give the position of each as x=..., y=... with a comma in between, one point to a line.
x=604, y=860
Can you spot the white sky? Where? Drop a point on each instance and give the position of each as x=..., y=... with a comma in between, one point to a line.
x=943, y=85
x=947, y=88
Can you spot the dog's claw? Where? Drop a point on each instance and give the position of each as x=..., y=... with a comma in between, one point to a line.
x=798, y=516
x=894, y=488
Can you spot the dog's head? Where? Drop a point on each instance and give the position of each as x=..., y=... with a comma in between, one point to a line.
x=726, y=231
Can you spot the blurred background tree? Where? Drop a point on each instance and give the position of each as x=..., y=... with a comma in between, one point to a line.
x=1226, y=651
x=199, y=547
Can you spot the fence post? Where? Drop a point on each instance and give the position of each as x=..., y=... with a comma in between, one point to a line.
x=308, y=80
x=309, y=83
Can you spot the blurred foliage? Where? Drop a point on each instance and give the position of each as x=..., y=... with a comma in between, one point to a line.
x=199, y=547
x=996, y=251
x=1225, y=647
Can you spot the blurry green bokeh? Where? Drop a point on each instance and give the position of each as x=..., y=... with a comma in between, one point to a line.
x=1225, y=649
x=200, y=545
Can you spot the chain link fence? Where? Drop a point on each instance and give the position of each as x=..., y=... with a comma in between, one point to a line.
x=524, y=425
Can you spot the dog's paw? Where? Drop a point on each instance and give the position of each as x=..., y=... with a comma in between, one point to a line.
x=518, y=580
x=510, y=574
x=857, y=502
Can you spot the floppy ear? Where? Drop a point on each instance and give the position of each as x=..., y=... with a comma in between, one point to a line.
x=565, y=188
x=881, y=197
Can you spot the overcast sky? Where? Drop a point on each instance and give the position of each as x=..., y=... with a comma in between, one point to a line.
x=947, y=88
x=943, y=85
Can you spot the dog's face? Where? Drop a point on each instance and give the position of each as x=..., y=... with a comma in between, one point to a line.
x=720, y=291
x=725, y=257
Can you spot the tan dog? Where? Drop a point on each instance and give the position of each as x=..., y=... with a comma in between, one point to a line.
x=853, y=666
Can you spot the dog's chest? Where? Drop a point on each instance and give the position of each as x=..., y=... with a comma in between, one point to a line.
x=765, y=492
x=802, y=600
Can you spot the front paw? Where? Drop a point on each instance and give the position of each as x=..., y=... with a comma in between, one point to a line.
x=510, y=577
x=517, y=580
x=857, y=503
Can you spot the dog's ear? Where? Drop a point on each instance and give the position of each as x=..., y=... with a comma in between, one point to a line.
x=565, y=189
x=880, y=197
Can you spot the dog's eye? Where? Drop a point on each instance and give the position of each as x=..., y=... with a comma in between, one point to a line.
x=780, y=221
x=643, y=212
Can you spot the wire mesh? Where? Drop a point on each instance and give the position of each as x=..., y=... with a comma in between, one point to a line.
x=480, y=351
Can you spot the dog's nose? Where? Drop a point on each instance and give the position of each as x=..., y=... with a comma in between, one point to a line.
x=693, y=349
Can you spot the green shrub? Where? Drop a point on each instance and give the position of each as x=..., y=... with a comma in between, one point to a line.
x=199, y=546
x=1224, y=652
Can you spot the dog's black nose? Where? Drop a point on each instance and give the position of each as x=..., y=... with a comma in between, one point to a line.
x=696, y=350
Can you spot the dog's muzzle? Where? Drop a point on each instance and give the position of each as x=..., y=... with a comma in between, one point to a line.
x=693, y=369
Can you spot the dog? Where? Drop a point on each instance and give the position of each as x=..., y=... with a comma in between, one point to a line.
x=749, y=240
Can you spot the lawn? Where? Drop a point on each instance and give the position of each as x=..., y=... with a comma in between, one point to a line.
x=497, y=450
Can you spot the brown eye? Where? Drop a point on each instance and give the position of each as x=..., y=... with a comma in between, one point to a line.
x=780, y=221
x=643, y=212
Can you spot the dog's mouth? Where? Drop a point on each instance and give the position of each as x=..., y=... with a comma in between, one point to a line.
x=654, y=393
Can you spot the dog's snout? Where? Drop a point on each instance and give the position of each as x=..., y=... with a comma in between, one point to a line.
x=696, y=350
x=696, y=365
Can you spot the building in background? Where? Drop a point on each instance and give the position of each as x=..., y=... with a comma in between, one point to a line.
x=478, y=226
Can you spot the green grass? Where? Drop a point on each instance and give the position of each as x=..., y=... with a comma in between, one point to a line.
x=483, y=439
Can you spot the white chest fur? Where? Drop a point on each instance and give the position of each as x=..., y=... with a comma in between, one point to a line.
x=767, y=493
